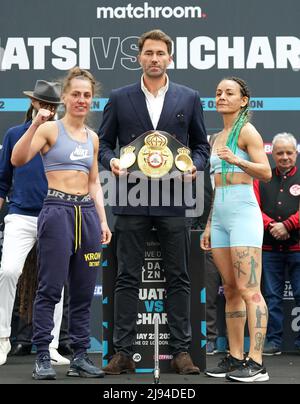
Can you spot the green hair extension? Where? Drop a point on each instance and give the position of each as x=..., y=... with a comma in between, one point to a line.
x=232, y=142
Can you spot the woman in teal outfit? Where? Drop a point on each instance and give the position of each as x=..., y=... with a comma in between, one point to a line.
x=234, y=231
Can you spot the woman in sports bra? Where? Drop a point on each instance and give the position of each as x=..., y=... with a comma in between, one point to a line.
x=72, y=224
x=234, y=231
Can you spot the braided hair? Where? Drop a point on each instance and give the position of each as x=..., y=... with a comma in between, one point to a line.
x=27, y=286
x=242, y=118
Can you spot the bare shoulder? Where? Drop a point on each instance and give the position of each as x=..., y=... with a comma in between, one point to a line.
x=213, y=138
x=249, y=135
x=48, y=126
x=95, y=137
x=48, y=129
x=215, y=135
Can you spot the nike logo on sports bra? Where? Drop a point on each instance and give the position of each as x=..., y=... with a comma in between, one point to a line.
x=79, y=153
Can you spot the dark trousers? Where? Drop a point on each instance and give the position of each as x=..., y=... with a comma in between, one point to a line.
x=22, y=328
x=174, y=237
x=64, y=328
x=69, y=245
x=274, y=265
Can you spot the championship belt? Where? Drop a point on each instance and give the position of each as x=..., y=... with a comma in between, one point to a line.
x=156, y=153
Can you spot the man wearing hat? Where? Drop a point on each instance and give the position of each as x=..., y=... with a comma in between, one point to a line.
x=27, y=188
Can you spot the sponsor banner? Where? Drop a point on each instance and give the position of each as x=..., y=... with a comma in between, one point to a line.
x=152, y=304
x=209, y=43
x=208, y=104
x=152, y=299
x=146, y=10
x=110, y=53
x=269, y=147
x=22, y=104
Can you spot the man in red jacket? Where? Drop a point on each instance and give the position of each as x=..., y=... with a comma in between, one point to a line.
x=279, y=203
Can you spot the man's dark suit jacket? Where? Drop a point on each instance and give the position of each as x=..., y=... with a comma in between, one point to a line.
x=126, y=117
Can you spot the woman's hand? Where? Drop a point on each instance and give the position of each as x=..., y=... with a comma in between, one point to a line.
x=105, y=233
x=205, y=239
x=224, y=153
x=42, y=116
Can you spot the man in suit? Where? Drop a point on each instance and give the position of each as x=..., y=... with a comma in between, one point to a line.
x=152, y=103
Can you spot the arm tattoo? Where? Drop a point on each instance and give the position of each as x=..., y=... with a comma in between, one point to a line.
x=243, y=164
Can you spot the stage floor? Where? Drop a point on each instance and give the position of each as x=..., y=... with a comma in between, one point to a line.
x=283, y=369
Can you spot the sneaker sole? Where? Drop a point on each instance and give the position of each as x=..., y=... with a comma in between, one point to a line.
x=211, y=353
x=271, y=354
x=39, y=377
x=220, y=375
x=80, y=373
x=257, y=378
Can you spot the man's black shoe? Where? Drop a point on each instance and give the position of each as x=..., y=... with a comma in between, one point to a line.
x=43, y=370
x=65, y=349
x=271, y=349
x=20, y=350
x=82, y=366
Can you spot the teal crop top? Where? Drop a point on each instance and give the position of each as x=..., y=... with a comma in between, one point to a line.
x=216, y=162
x=68, y=153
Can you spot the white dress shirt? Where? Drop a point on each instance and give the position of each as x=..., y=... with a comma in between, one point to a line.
x=155, y=103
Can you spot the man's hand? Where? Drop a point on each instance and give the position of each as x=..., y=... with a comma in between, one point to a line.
x=189, y=176
x=116, y=169
x=279, y=231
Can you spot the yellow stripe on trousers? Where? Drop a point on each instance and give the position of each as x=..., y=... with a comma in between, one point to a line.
x=78, y=226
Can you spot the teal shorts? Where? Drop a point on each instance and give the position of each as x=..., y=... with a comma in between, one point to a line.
x=236, y=219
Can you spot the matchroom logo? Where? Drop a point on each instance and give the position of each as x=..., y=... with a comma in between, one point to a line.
x=147, y=11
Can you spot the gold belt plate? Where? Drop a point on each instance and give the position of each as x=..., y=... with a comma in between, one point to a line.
x=155, y=159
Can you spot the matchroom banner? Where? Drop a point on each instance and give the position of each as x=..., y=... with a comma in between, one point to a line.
x=257, y=40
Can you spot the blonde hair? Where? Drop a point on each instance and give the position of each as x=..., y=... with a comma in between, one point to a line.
x=77, y=73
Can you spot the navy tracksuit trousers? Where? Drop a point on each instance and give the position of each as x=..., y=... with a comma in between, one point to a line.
x=69, y=248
